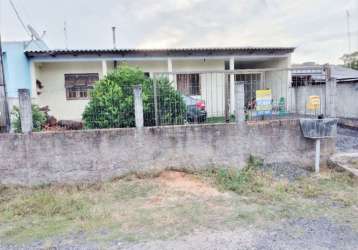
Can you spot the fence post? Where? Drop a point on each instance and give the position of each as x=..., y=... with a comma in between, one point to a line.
x=331, y=92
x=25, y=110
x=156, y=114
x=138, y=106
x=239, y=102
x=227, y=97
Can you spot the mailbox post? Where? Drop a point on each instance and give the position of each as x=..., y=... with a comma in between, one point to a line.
x=318, y=129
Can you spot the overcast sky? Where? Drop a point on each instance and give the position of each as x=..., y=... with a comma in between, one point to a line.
x=318, y=28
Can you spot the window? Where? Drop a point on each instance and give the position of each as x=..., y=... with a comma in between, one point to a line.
x=188, y=84
x=78, y=85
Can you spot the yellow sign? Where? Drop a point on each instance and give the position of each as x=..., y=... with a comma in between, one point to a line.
x=264, y=101
x=314, y=102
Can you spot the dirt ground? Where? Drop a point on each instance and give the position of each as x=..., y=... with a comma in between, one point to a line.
x=278, y=206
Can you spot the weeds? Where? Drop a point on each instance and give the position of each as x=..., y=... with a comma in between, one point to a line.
x=241, y=181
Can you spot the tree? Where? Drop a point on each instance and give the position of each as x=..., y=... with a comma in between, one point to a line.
x=112, y=103
x=351, y=60
x=354, y=64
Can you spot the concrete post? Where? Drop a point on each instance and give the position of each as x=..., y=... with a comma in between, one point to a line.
x=239, y=103
x=170, y=71
x=331, y=92
x=227, y=96
x=232, y=86
x=104, y=68
x=25, y=110
x=317, y=155
x=138, y=106
x=33, y=80
x=156, y=111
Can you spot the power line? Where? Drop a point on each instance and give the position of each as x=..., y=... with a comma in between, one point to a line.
x=19, y=17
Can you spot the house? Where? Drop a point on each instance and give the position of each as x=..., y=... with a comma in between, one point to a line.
x=17, y=66
x=61, y=79
x=315, y=75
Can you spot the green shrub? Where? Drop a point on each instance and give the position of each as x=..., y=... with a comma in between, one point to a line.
x=112, y=102
x=38, y=119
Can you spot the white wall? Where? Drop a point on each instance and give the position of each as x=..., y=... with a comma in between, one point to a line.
x=212, y=84
x=54, y=93
x=148, y=66
x=278, y=80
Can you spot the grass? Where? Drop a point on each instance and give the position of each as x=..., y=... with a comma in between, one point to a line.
x=134, y=209
x=219, y=119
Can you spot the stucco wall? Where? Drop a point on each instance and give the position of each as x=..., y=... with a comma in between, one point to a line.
x=278, y=81
x=52, y=76
x=89, y=156
x=17, y=72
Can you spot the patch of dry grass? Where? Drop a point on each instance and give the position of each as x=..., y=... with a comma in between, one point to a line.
x=172, y=204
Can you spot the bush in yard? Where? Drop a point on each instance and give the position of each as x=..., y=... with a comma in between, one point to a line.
x=38, y=119
x=112, y=103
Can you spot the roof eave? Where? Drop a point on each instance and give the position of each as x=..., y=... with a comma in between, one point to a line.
x=162, y=52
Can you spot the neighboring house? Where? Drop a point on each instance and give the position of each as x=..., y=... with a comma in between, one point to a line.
x=17, y=66
x=61, y=79
x=315, y=75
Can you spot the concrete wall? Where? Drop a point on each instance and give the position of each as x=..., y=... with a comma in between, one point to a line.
x=302, y=95
x=88, y=156
x=346, y=100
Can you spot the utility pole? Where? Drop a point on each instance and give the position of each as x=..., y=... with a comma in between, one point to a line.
x=349, y=32
x=4, y=107
x=65, y=34
x=114, y=37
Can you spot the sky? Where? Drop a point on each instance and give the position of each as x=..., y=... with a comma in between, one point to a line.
x=318, y=28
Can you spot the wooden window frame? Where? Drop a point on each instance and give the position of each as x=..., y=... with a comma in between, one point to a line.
x=78, y=86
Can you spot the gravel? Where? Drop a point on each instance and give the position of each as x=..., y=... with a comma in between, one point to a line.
x=302, y=233
x=285, y=170
x=72, y=241
x=347, y=140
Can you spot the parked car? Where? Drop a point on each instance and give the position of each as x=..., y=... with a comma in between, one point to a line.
x=195, y=109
